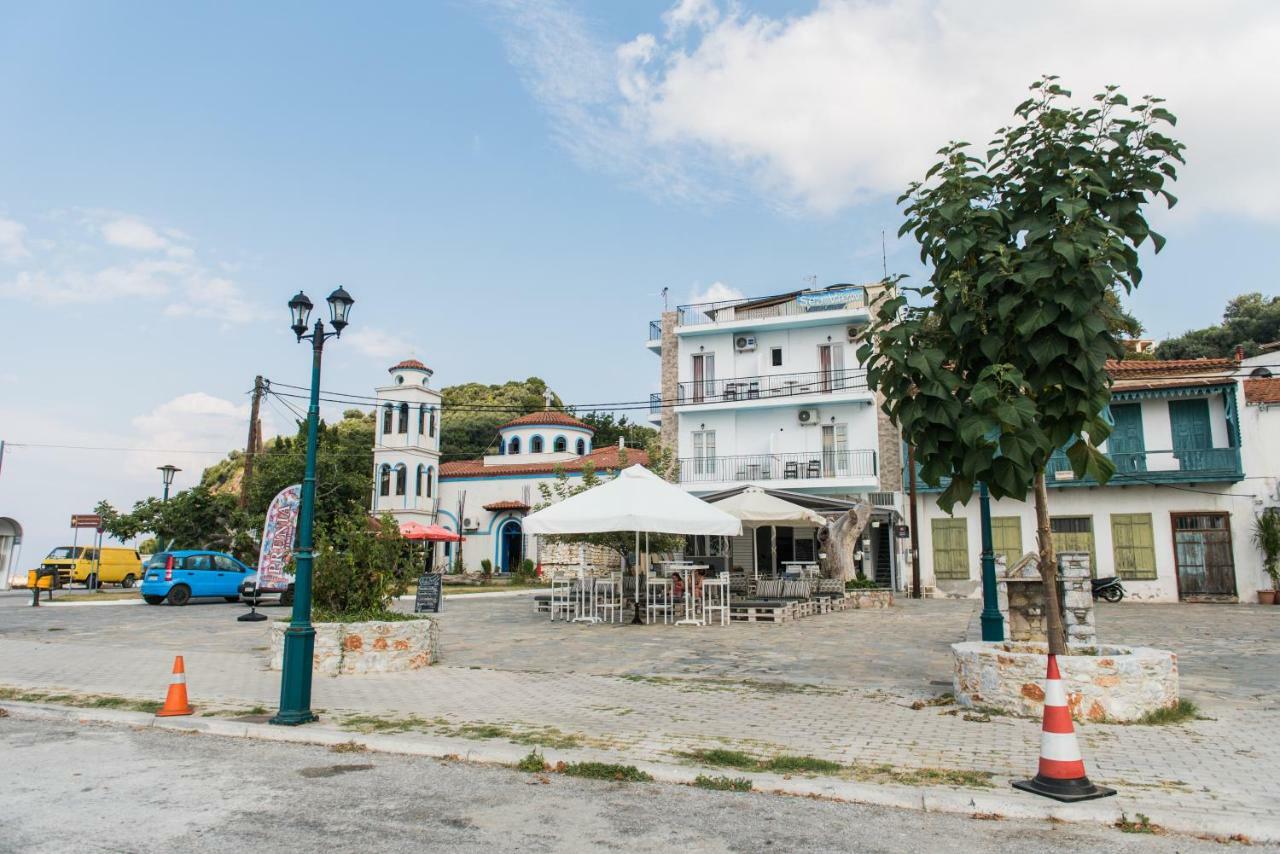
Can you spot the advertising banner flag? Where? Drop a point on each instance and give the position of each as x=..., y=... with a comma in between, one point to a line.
x=277, y=538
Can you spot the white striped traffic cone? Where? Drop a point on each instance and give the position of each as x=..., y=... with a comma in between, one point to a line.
x=175, y=702
x=1061, y=775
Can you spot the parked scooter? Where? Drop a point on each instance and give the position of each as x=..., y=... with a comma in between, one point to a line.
x=1108, y=588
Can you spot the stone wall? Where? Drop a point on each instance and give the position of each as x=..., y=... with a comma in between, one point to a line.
x=668, y=433
x=870, y=598
x=1117, y=684
x=890, y=441
x=567, y=558
x=372, y=647
x=1077, y=599
x=1021, y=595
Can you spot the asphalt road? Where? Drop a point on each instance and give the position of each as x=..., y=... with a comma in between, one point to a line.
x=82, y=787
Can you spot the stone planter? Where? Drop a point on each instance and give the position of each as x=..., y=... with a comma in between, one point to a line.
x=1118, y=684
x=343, y=649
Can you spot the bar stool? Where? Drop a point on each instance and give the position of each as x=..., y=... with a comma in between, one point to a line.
x=657, y=599
x=609, y=598
x=562, y=601
x=715, y=598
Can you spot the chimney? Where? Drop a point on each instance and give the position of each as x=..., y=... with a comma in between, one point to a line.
x=1239, y=354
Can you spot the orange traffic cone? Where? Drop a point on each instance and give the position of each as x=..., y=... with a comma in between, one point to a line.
x=1061, y=775
x=176, y=702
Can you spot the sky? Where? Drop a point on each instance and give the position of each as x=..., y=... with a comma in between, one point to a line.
x=506, y=186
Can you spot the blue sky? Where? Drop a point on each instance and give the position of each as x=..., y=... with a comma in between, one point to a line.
x=505, y=187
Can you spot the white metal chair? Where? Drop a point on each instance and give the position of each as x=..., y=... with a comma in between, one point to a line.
x=715, y=598
x=657, y=599
x=609, y=598
x=562, y=598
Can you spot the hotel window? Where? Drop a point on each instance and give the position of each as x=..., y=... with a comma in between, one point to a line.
x=775, y=357
x=704, y=451
x=384, y=481
x=704, y=376
x=535, y=445
x=560, y=445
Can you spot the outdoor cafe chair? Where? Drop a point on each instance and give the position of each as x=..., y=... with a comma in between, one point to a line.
x=562, y=598
x=609, y=598
x=657, y=599
x=715, y=598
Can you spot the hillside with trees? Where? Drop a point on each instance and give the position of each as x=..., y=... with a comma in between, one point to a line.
x=1249, y=320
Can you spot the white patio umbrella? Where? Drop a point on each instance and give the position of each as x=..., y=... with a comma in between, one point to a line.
x=636, y=500
x=755, y=507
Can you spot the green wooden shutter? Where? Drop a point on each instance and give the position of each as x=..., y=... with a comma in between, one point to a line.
x=1134, y=546
x=950, y=548
x=1006, y=538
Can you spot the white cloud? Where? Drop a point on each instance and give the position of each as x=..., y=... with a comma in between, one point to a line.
x=13, y=245
x=715, y=292
x=851, y=100
x=132, y=233
x=97, y=272
x=378, y=343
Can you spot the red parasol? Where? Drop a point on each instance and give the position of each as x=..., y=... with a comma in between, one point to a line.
x=432, y=533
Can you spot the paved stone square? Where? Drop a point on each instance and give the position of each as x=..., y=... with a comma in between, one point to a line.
x=838, y=686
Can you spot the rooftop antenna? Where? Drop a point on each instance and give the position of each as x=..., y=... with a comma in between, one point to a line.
x=666, y=302
x=884, y=258
x=812, y=279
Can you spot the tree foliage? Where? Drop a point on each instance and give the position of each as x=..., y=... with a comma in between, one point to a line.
x=195, y=518
x=1003, y=361
x=609, y=428
x=1249, y=321
x=359, y=567
x=472, y=413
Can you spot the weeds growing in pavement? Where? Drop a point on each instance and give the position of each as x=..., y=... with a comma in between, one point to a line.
x=723, y=784
x=1178, y=713
x=605, y=771
x=533, y=762
x=946, y=699
x=1141, y=825
x=783, y=764
x=348, y=747
x=81, y=701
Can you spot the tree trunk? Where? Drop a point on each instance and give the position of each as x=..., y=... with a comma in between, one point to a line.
x=842, y=538
x=1049, y=571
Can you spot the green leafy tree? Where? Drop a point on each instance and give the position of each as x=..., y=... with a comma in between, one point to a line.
x=473, y=412
x=359, y=567
x=1249, y=321
x=1003, y=360
x=609, y=428
x=195, y=518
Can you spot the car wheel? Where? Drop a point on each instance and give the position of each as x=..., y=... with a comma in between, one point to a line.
x=232, y=598
x=127, y=582
x=153, y=600
x=90, y=581
x=1113, y=594
x=179, y=595
x=286, y=598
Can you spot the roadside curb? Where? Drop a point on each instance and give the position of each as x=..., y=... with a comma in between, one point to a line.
x=986, y=803
x=90, y=603
x=492, y=594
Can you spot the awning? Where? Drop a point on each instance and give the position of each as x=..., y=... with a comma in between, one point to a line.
x=756, y=507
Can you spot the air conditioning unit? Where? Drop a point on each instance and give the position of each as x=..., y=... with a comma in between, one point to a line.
x=744, y=343
x=470, y=524
x=807, y=417
x=852, y=332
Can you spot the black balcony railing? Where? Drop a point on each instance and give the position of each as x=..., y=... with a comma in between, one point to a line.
x=1150, y=467
x=655, y=330
x=655, y=403
x=791, y=466
x=771, y=386
x=837, y=298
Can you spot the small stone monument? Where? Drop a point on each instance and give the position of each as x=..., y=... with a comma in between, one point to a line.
x=1076, y=583
x=1020, y=592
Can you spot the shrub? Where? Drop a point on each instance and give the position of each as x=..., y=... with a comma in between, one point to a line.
x=486, y=567
x=723, y=784
x=532, y=762
x=358, y=570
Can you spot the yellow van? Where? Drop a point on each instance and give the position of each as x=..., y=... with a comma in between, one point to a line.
x=113, y=565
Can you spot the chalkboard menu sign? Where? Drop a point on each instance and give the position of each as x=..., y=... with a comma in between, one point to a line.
x=430, y=596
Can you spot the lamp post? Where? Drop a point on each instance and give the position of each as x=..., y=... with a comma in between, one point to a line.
x=167, y=472
x=991, y=619
x=300, y=637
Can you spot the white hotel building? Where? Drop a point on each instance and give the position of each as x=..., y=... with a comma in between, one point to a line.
x=768, y=391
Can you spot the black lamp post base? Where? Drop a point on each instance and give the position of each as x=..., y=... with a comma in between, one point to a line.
x=251, y=617
x=294, y=718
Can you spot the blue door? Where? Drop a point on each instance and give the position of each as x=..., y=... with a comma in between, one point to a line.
x=197, y=573
x=511, y=545
x=1126, y=445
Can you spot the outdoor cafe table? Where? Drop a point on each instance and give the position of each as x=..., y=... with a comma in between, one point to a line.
x=586, y=599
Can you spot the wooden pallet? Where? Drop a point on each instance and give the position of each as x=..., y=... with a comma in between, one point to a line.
x=760, y=614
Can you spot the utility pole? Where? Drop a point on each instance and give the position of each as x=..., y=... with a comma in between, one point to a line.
x=251, y=446
x=915, y=530
x=462, y=507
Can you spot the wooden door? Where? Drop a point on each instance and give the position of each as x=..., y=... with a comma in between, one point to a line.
x=1202, y=551
x=1192, y=436
x=1126, y=444
x=1133, y=545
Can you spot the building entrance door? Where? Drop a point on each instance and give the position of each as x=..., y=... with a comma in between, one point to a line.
x=1202, y=552
x=511, y=546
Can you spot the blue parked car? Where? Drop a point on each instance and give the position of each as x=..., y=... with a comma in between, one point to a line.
x=178, y=576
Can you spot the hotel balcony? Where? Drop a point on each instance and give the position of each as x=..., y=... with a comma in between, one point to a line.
x=819, y=307
x=809, y=471
x=1141, y=468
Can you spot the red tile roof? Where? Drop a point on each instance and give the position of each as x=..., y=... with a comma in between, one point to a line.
x=547, y=416
x=1134, y=368
x=1262, y=390
x=506, y=505
x=409, y=363
x=601, y=459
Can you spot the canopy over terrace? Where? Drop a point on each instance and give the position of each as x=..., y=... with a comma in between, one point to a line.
x=757, y=508
x=431, y=534
x=636, y=500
